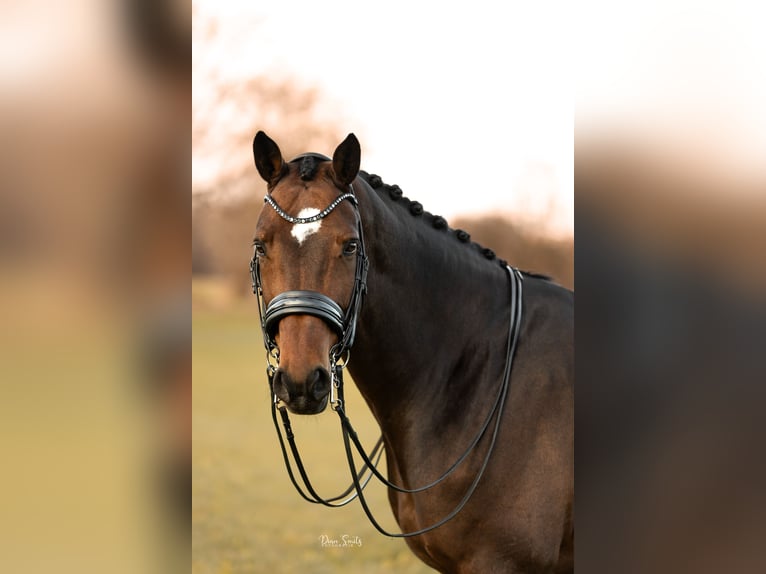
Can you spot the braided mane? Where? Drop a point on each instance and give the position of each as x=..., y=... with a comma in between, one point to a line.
x=394, y=193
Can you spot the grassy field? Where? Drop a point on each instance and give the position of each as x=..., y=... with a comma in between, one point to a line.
x=247, y=517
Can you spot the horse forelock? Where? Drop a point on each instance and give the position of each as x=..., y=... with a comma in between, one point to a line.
x=308, y=168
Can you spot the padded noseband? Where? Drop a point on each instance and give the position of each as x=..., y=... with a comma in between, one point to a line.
x=303, y=303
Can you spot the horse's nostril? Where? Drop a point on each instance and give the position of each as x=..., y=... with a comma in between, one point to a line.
x=316, y=386
x=319, y=383
x=282, y=385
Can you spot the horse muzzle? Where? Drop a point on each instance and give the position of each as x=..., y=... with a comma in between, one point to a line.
x=307, y=397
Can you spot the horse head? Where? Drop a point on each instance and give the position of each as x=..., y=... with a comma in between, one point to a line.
x=308, y=267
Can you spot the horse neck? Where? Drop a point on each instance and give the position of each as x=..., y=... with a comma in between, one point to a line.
x=435, y=308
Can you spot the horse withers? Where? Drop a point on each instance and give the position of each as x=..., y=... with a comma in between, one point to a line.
x=465, y=362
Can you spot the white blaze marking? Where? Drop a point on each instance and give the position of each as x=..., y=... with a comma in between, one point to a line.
x=302, y=230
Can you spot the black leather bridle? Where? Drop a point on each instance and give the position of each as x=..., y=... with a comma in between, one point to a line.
x=314, y=303
x=344, y=325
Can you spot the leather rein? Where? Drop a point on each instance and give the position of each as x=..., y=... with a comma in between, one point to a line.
x=344, y=325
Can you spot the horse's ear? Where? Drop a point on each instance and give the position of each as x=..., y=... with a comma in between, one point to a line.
x=346, y=160
x=268, y=158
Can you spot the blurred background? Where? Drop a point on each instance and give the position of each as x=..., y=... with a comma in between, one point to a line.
x=670, y=192
x=95, y=252
x=467, y=108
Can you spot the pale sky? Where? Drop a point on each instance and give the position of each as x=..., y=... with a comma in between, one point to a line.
x=470, y=106
x=467, y=106
x=689, y=74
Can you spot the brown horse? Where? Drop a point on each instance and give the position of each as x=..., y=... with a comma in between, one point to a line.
x=450, y=367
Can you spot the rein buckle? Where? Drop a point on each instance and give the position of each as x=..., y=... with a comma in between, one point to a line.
x=335, y=401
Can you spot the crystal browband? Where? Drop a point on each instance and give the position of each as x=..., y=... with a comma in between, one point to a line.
x=321, y=215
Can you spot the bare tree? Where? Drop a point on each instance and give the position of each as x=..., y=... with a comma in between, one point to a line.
x=226, y=189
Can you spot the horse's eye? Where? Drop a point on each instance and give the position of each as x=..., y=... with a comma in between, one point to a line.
x=260, y=248
x=351, y=246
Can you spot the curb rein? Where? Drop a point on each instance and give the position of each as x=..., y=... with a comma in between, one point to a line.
x=344, y=324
